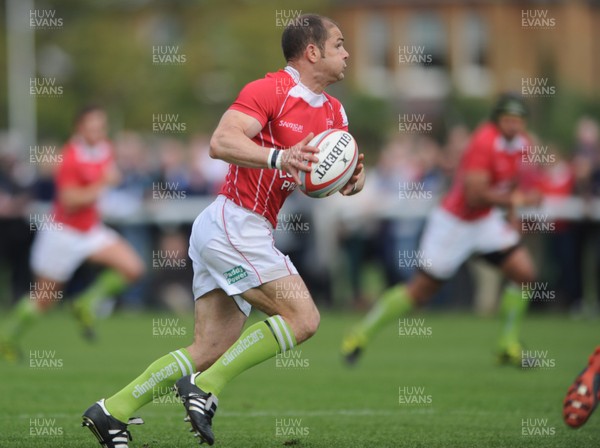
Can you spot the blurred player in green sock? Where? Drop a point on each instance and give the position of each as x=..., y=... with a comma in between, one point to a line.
x=72, y=233
x=264, y=137
x=469, y=222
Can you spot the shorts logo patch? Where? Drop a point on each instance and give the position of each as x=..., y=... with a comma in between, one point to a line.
x=235, y=275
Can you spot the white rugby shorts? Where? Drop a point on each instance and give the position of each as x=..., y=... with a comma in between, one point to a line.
x=448, y=241
x=57, y=251
x=233, y=249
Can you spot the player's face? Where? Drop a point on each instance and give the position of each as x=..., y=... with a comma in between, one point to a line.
x=511, y=125
x=335, y=55
x=92, y=127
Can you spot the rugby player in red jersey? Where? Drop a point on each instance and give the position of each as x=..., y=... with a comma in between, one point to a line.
x=469, y=221
x=75, y=234
x=264, y=136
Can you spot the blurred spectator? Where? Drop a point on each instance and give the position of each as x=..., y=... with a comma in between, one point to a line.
x=206, y=174
x=173, y=172
x=456, y=143
x=172, y=272
x=557, y=181
x=587, y=158
x=124, y=204
x=587, y=185
x=409, y=169
x=16, y=237
x=43, y=187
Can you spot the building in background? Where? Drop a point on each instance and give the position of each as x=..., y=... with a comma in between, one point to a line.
x=426, y=49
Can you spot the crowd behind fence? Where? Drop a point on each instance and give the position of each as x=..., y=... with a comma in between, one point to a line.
x=347, y=248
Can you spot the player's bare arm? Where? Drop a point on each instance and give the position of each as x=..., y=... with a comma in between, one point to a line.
x=479, y=193
x=232, y=143
x=74, y=198
x=112, y=176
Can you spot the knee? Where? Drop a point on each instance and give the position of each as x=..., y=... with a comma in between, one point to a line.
x=135, y=271
x=305, y=325
x=525, y=276
x=204, y=355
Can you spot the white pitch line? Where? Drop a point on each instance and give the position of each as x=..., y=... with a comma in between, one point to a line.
x=265, y=413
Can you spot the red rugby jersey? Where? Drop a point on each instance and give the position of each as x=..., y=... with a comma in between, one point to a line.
x=288, y=111
x=81, y=166
x=488, y=151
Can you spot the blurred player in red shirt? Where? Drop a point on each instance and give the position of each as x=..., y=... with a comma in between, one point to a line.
x=469, y=221
x=72, y=233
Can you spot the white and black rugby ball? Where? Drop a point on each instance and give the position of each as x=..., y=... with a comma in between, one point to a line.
x=338, y=156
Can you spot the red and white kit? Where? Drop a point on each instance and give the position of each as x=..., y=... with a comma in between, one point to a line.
x=454, y=230
x=231, y=245
x=62, y=245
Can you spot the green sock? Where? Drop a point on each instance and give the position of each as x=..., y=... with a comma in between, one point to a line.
x=22, y=316
x=156, y=381
x=512, y=309
x=108, y=283
x=259, y=342
x=393, y=304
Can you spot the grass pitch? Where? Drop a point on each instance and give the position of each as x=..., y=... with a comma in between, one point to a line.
x=440, y=389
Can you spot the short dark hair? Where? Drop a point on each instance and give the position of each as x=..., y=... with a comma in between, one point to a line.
x=85, y=110
x=509, y=103
x=302, y=31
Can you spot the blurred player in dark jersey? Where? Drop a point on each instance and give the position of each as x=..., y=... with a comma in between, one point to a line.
x=469, y=221
x=73, y=233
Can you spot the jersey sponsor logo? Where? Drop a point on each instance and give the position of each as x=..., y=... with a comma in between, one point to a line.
x=235, y=275
x=288, y=184
x=295, y=127
x=248, y=341
x=155, y=378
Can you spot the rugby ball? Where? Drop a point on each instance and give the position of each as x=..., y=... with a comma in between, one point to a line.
x=338, y=156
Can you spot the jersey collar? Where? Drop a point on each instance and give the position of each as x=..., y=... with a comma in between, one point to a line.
x=90, y=153
x=301, y=91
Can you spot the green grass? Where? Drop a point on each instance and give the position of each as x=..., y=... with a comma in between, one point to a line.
x=474, y=403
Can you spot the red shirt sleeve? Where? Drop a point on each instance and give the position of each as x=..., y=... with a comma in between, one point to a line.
x=340, y=119
x=67, y=172
x=479, y=155
x=258, y=99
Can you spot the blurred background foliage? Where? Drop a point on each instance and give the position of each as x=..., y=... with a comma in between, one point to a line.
x=103, y=54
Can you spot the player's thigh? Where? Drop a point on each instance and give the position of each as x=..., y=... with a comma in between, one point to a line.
x=289, y=297
x=518, y=266
x=55, y=254
x=119, y=255
x=447, y=242
x=218, y=324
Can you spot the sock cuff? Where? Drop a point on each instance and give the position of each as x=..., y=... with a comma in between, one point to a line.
x=282, y=332
x=184, y=361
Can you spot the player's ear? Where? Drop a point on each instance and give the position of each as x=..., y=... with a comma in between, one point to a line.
x=313, y=54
